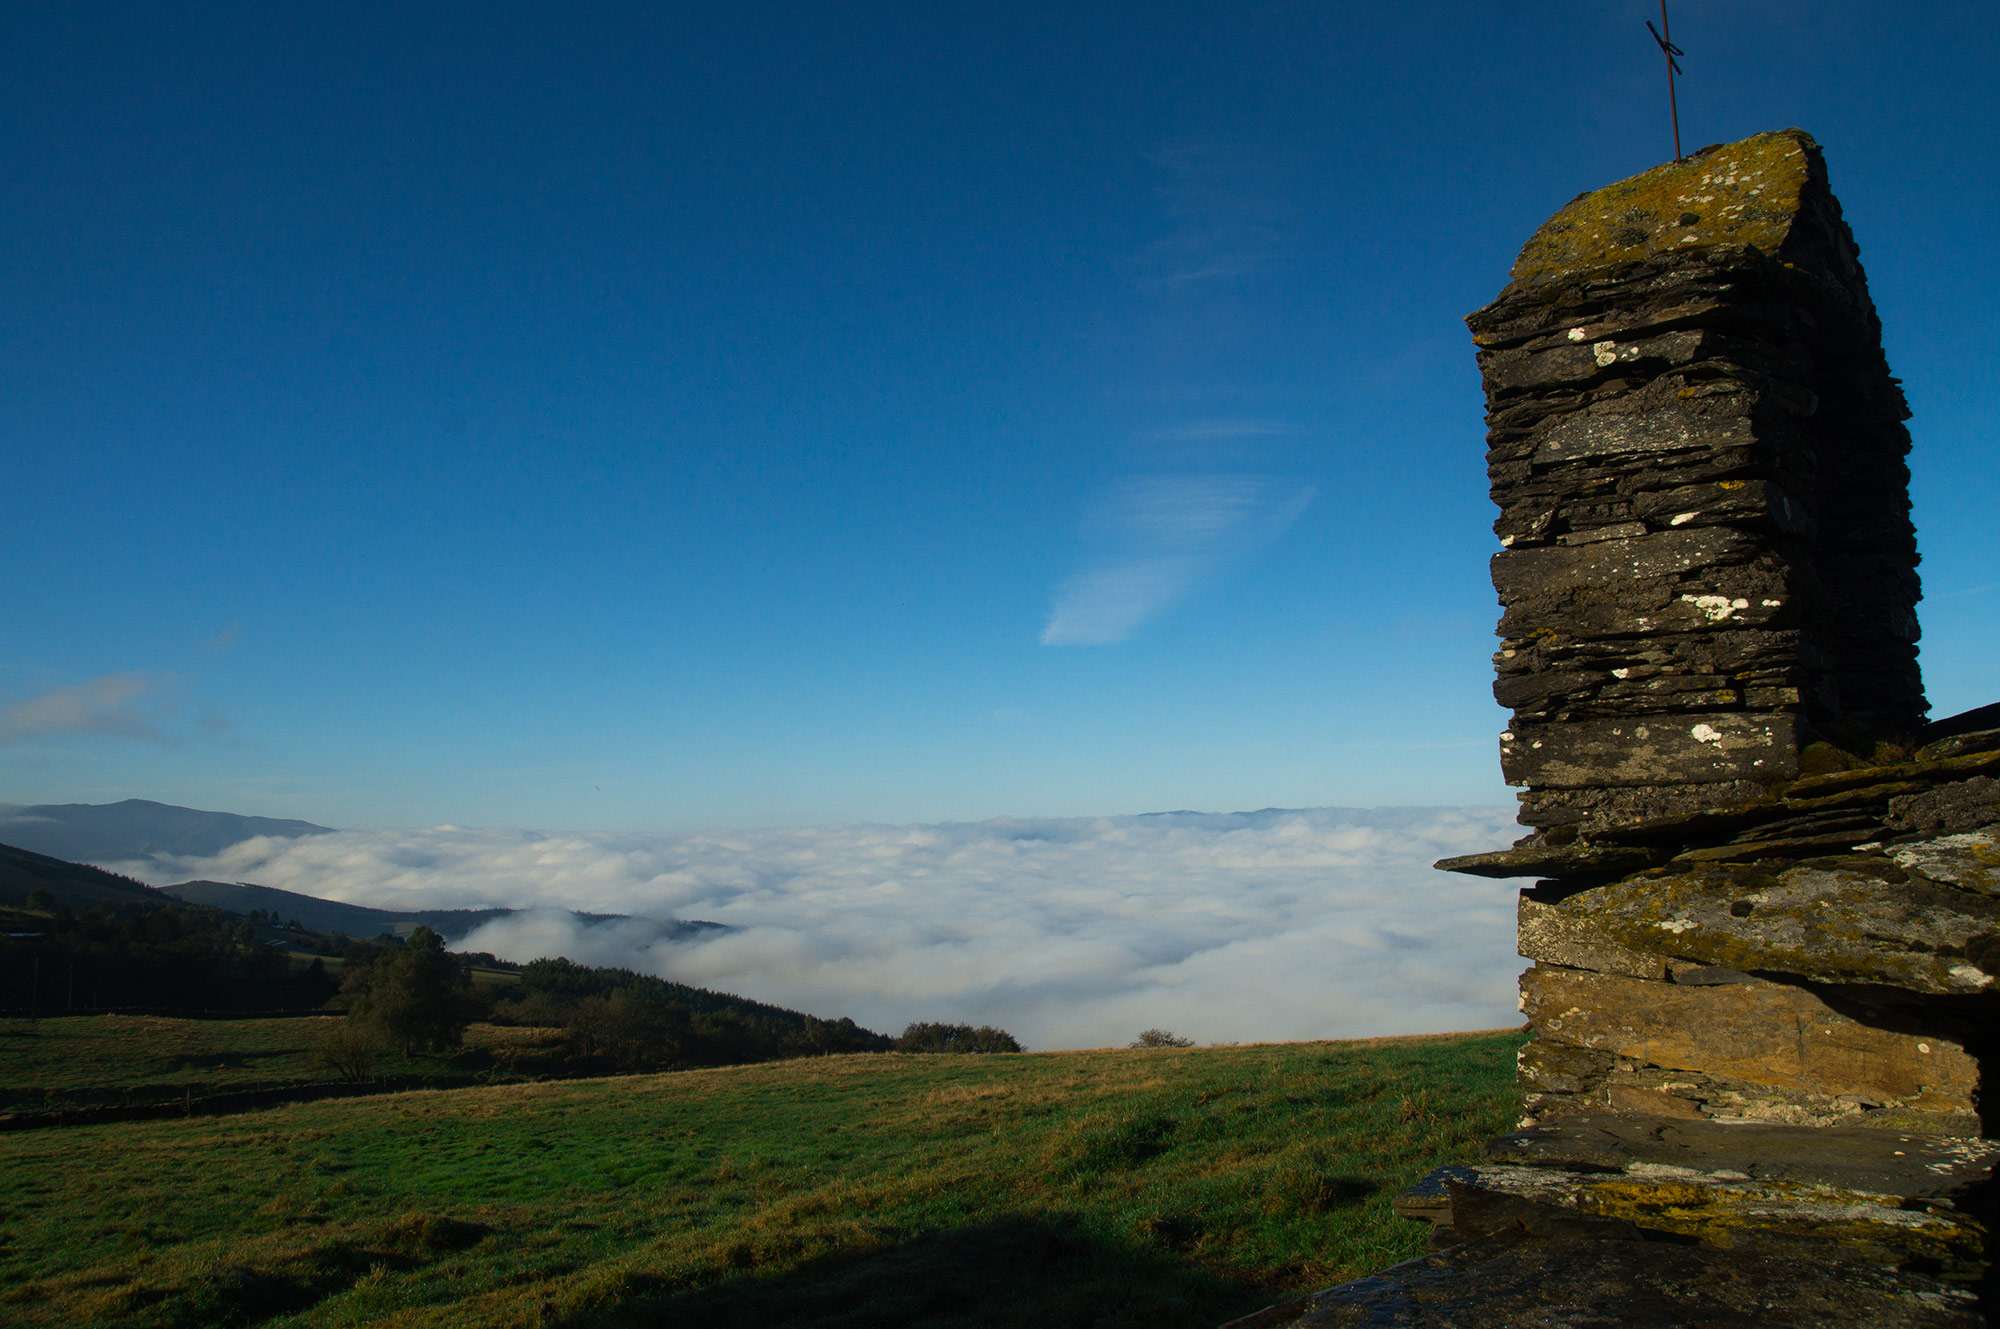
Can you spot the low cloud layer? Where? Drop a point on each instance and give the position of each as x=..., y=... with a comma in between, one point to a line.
x=1076, y=932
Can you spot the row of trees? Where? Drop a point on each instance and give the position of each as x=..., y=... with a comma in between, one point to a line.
x=174, y=956
x=418, y=998
x=955, y=1038
x=615, y=1019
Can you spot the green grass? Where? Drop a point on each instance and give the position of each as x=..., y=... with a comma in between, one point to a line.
x=1157, y=1188
x=91, y=1060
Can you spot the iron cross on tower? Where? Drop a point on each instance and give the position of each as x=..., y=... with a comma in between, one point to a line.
x=1664, y=37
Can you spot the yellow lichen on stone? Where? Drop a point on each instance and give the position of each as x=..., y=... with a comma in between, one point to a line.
x=1731, y=1215
x=1743, y=193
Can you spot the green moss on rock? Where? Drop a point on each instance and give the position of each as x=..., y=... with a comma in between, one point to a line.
x=1745, y=193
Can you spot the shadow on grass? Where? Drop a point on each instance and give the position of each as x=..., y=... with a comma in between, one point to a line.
x=226, y=1295
x=1024, y=1272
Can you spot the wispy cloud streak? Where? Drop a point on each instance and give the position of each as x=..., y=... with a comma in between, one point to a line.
x=1221, y=215
x=107, y=706
x=1162, y=537
x=1071, y=933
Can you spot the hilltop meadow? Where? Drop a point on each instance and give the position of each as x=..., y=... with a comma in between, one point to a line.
x=1171, y=1186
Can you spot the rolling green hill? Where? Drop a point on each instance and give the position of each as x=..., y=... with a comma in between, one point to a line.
x=71, y=885
x=1159, y=1188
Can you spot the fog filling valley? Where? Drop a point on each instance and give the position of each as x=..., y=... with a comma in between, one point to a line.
x=1073, y=932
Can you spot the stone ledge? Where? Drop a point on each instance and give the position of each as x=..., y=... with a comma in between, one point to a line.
x=1903, y=1165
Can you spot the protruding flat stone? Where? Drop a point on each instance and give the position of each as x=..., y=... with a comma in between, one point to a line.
x=1570, y=860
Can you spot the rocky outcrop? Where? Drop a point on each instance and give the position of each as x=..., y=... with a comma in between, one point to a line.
x=1765, y=920
x=1646, y=1221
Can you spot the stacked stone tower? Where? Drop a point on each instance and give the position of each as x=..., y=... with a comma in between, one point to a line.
x=1764, y=1005
x=1697, y=451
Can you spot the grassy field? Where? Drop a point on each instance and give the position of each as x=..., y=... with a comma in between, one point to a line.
x=1159, y=1188
x=92, y=1060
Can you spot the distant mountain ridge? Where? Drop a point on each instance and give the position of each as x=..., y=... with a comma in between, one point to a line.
x=59, y=847
x=136, y=829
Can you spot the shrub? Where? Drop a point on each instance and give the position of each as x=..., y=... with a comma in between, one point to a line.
x=349, y=1050
x=1161, y=1038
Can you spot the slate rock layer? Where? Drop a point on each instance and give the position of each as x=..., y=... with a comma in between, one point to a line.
x=1697, y=450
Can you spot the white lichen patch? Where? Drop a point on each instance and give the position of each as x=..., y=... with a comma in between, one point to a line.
x=1716, y=607
x=1970, y=859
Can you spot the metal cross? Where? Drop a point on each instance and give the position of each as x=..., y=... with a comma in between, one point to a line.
x=1663, y=36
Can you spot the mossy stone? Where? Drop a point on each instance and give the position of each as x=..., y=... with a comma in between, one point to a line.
x=1745, y=193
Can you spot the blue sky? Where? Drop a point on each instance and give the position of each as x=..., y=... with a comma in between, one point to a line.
x=653, y=418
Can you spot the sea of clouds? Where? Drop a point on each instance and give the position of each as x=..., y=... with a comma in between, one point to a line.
x=1068, y=932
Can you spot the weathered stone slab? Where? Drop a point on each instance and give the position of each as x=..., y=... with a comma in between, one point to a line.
x=1597, y=811
x=1575, y=939
x=1957, y=766
x=1539, y=570
x=1559, y=1080
x=1962, y=805
x=1555, y=860
x=1903, y=1166
x=1959, y=735
x=1876, y=795
x=1726, y=501
x=1707, y=747
x=1604, y=434
x=1427, y=1200
x=1574, y=364
x=1855, y=920
x=1758, y=1033
x=1970, y=861
x=1753, y=847
x=1737, y=1213
x=1511, y=1280
x=1617, y=323
x=1739, y=597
